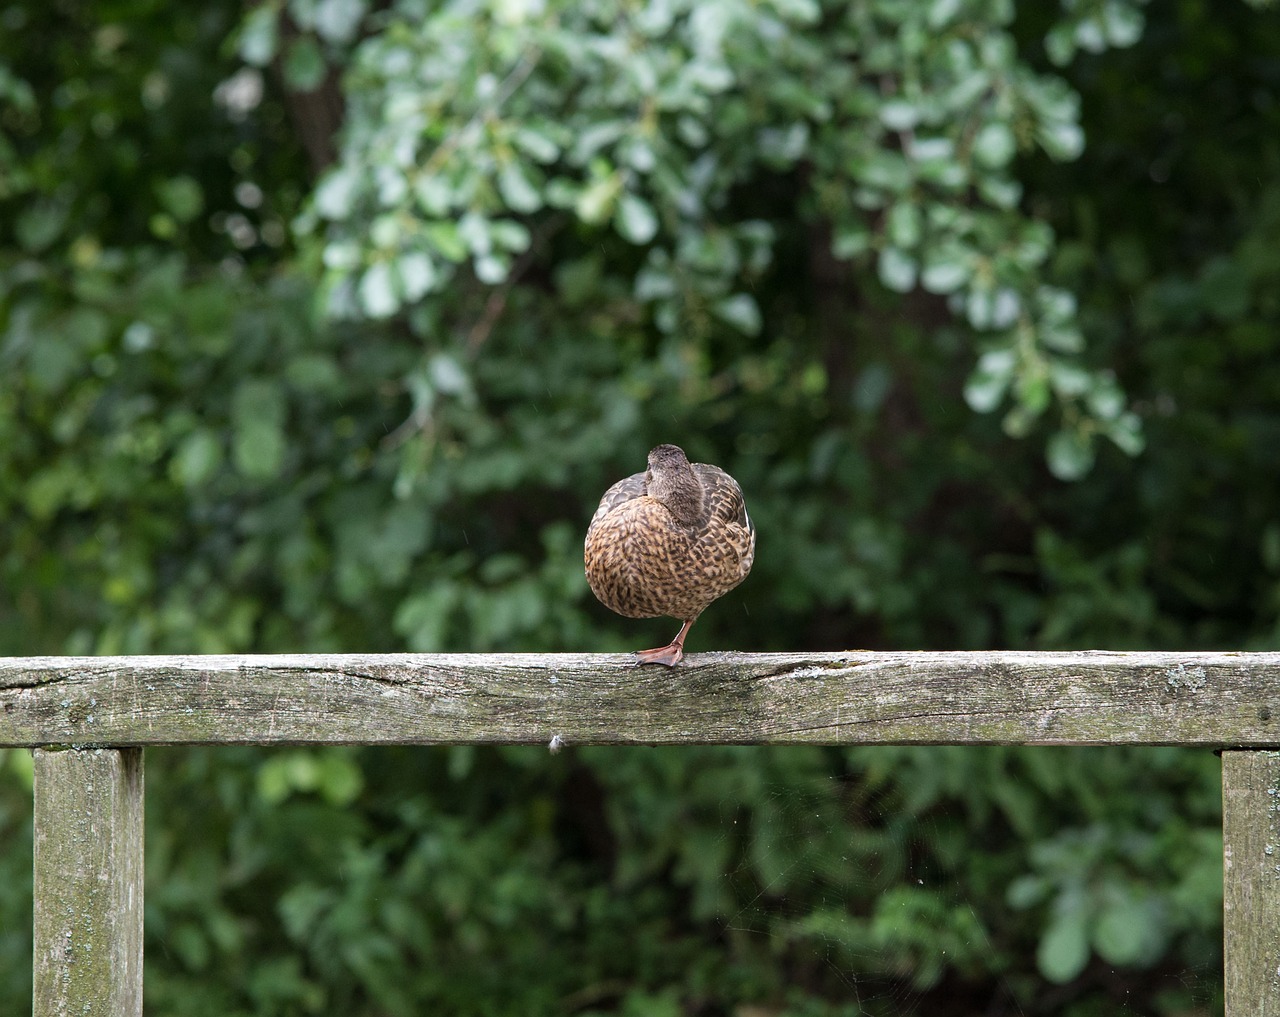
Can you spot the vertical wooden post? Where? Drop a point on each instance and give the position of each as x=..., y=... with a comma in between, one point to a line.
x=1251, y=882
x=88, y=883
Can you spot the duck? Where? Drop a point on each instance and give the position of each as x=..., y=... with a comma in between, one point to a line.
x=668, y=542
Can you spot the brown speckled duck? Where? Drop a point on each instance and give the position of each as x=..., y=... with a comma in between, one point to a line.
x=669, y=541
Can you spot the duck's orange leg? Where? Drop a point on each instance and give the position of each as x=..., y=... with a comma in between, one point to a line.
x=669, y=654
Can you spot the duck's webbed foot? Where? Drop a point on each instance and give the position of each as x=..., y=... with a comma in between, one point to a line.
x=670, y=654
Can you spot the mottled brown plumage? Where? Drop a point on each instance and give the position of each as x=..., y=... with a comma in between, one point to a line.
x=669, y=541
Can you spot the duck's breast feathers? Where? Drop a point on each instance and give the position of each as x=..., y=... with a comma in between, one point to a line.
x=636, y=557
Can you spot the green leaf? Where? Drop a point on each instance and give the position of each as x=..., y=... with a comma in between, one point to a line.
x=385, y=231
x=196, y=459
x=1000, y=192
x=258, y=440
x=338, y=21
x=418, y=275
x=435, y=194
x=40, y=224
x=885, y=170
x=1006, y=306
x=475, y=231
x=163, y=226
x=984, y=389
x=943, y=275
x=182, y=197
x=897, y=269
x=1032, y=387
x=1069, y=379
x=598, y=136
x=741, y=311
x=339, y=779
x=510, y=235
x=870, y=389
x=903, y=224
x=899, y=115
x=635, y=219
x=138, y=336
x=1123, y=22
x=1060, y=44
x=1070, y=454
x=1017, y=423
x=941, y=12
x=1064, y=947
x=378, y=294
x=447, y=375
x=517, y=189
x=1061, y=140
x=258, y=38
x=341, y=255
x=850, y=241
x=304, y=65
x=537, y=144
x=336, y=194
x=49, y=490
x=1104, y=398
x=1126, y=432
x=492, y=269
x=994, y=145
x=314, y=372
x=595, y=202
x=18, y=92
x=935, y=149
x=1128, y=931
x=1026, y=891
x=446, y=239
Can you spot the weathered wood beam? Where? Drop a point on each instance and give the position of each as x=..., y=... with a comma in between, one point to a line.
x=1210, y=699
x=1251, y=882
x=88, y=883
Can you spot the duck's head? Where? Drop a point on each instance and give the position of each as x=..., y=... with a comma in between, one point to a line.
x=671, y=480
x=668, y=459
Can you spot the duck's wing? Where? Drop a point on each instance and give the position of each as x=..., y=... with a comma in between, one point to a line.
x=722, y=499
x=730, y=537
x=623, y=491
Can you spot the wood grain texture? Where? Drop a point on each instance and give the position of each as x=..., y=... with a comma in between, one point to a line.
x=1251, y=882
x=1210, y=699
x=88, y=883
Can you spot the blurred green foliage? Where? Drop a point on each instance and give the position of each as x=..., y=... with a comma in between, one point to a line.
x=324, y=325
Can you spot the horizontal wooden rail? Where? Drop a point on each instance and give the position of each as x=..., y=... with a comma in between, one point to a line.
x=1078, y=698
x=88, y=797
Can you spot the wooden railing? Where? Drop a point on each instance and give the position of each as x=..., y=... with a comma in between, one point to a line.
x=88, y=719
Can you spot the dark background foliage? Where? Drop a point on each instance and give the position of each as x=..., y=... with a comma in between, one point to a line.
x=273, y=384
